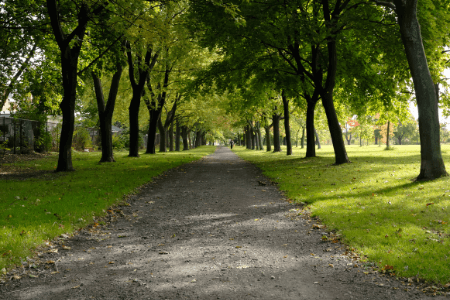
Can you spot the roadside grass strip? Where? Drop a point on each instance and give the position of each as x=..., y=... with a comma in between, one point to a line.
x=401, y=226
x=34, y=211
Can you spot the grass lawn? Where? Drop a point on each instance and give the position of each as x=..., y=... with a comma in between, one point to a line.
x=399, y=225
x=36, y=210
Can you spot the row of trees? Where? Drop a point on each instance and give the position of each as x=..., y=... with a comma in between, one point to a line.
x=214, y=66
x=366, y=55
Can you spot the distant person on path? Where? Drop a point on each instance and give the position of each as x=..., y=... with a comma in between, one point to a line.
x=231, y=144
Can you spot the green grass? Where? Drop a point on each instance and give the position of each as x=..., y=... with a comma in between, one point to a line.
x=372, y=203
x=28, y=207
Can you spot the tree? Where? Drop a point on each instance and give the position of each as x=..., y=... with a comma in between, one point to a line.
x=432, y=165
x=69, y=44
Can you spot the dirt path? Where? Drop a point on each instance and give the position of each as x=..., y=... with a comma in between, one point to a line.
x=207, y=230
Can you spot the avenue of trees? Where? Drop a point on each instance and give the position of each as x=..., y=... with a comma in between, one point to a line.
x=242, y=70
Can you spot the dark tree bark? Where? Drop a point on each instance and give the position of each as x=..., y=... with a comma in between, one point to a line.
x=432, y=165
x=171, y=140
x=348, y=137
x=327, y=92
x=310, y=145
x=268, y=145
x=106, y=112
x=198, y=138
x=184, y=135
x=70, y=53
x=248, y=137
x=258, y=132
x=286, y=123
x=303, y=137
x=387, y=134
x=143, y=70
x=164, y=127
x=276, y=132
x=317, y=139
x=155, y=106
x=177, y=136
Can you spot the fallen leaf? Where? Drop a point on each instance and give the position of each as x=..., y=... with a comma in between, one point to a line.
x=50, y=262
x=317, y=226
x=32, y=276
x=285, y=256
x=75, y=287
x=331, y=265
x=65, y=247
x=53, y=251
x=238, y=246
x=111, y=262
x=431, y=203
x=231, y=239
x=243, y=267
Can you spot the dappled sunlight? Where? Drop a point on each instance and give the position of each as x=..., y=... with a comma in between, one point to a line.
x=373, y=203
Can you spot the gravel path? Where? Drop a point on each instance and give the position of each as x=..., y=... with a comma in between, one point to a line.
x=213, y=229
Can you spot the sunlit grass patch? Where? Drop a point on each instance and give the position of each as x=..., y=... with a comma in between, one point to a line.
x=373, y=203
x=38, y=209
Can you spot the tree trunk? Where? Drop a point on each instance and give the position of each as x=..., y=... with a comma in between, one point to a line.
x=268, y=145
x=198, y=138
x=249, y=138
x=276, y=132
x=310, y=144
x=106, y=112
x=171, y=141
x=327, y=92
x=303, y=137
x=335, y=130
x=69, y=68
x=177, y=136
x=258, y=131
x=162, y=134
x=286, y=123
x=387, y=135
x=432, y=165
x=184, y=135
x=69, y=71
x=317, y=139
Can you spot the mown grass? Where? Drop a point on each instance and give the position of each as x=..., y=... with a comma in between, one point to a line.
x=35, y=210
x=373, y=203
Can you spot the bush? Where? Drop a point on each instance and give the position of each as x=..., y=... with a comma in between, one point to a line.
x=81, y=139
x=120, y=141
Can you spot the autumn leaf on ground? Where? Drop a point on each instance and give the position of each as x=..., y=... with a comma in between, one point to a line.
x=331, y=265
x=317, y=226
x=238, y=246
x=111, y=262
x=50, y=262
x=65, y=247
x=428, y=204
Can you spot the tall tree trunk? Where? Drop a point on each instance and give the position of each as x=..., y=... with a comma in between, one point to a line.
x=387, y=135
x=143, y=70
x=276, y=132
x=198, y=138
x=189, y=139
x=177, y=136
x=317, y=139
x=171, y=141
x=249, y=138
x=432, y=165
x=310, y=144
x=268, y=145
x=106, y=112
x=69, y=53
x=184, y=135
x=162, y=134
x=327, y=92
x=286, y=123
x=303, y=137
x=258, y=131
